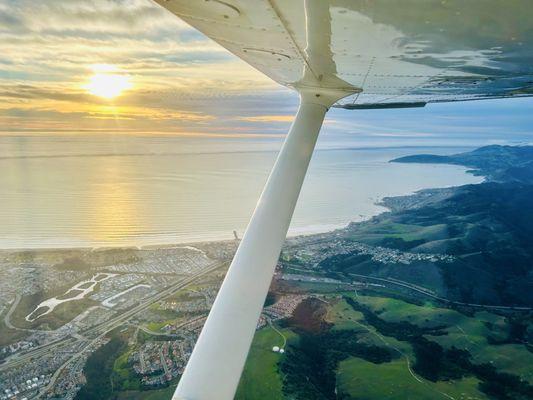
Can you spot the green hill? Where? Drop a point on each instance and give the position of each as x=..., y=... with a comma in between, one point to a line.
x=487, y=227
x=497, y=163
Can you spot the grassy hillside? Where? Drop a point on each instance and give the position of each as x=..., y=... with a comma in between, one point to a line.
x=375, y=347
x=261, y=378
x=498, y=163
x=487, y=227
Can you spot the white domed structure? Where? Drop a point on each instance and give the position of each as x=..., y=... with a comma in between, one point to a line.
x=282, y=351
x=275, y=349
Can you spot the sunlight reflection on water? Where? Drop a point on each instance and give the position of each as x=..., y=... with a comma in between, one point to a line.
x=83, y=190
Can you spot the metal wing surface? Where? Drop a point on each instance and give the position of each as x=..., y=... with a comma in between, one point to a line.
x=392, y=52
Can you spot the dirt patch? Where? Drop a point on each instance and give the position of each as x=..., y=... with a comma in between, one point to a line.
x=87, y=261
x=280, y=286
x=73, y=264
x=309, y=316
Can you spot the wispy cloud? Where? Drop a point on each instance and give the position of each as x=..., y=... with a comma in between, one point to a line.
x=184, y=83
x=48, y=49
x=268, y=118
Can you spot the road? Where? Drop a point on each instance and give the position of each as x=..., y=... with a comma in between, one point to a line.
x=182, y=325
x=442, y=299
x=112, y=323
x=7, y=318
x=58, y=372
x=421, y=290
x=279, y=332
x=410, y=286
x=148, y=331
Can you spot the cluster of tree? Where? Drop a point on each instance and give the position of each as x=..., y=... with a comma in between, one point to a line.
x=309, y=367
x=341, y=262
x=518, y=332
x=98, y=370
x=402, y=330
x=435, y=363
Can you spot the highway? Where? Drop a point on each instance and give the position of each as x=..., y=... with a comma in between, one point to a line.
x=182, y=325
x=112, y=323
x=408, y=285
x=72, y=359
x=420, y=290
x=426, y=292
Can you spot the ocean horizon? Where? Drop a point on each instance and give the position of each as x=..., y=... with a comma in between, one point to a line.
x=85, y=190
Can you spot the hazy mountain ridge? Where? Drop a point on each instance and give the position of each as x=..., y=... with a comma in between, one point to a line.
x=497, y=163
x=487, y=227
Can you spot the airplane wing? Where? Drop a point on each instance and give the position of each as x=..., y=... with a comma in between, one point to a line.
x=353, y=54
x=396, y=52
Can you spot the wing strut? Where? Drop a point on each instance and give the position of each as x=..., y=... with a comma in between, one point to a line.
x=216, y=363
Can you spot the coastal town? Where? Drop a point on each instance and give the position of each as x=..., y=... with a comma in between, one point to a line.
x=156, y=300
x=312, y=251
x=51, y=325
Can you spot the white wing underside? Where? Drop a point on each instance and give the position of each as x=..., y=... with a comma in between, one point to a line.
x=368, y=54
x=396, y=53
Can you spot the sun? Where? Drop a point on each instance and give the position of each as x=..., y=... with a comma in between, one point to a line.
x=107, y=82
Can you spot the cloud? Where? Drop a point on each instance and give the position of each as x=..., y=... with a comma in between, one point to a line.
x=184, y=82
x=268, y=118
x=79, y=17
x=180, y=78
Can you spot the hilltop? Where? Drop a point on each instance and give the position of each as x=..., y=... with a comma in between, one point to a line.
x=497, y=163
x=433, y=296
x=487, y=228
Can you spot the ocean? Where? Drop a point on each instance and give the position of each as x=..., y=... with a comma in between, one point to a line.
x=96, y=189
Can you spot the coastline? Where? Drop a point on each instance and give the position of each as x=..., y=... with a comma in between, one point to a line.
x=387, y=204
x=340, y=190
x=304, y=231
x=382, y=204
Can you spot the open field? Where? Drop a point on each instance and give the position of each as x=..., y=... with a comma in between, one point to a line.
x=62, y=313
x=159, y=394
x=364, y=380
x=261, y=378
x=463, y=332
x=357, y=376
x=375, y=233
x=345, y=317
x=9, y=336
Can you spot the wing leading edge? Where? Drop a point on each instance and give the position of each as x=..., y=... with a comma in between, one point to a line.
x=411, y=51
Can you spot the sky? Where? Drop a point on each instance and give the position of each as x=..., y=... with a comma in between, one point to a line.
x=176, y=81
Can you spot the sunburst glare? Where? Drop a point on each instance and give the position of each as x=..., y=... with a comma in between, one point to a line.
x=107, y=82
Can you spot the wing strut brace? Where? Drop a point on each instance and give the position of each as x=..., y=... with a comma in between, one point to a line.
x=216, y=363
